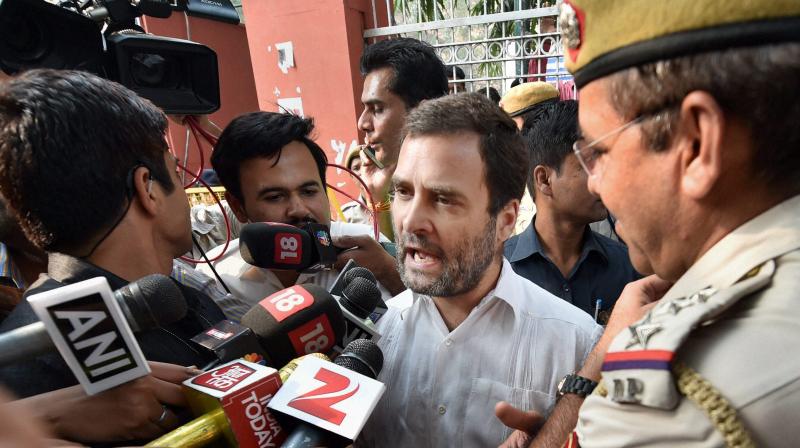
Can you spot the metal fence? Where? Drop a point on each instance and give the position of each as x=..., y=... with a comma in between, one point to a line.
x=484, y=43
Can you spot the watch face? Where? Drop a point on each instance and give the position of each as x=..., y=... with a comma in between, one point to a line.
x=561, y=384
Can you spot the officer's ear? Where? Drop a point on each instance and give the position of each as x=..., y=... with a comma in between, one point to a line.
x=700, y=139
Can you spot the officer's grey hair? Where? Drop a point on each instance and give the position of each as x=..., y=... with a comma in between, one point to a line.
x=760, y=85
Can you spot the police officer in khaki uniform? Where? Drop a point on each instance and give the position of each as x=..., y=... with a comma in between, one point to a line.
x=689, y=112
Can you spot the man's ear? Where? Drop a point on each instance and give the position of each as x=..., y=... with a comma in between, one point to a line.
x=507, y=220
x=237, y=207
x=700, y=142
x=143, y=190
x=542, y=180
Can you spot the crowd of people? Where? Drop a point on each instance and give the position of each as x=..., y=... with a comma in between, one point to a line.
x=643, y=297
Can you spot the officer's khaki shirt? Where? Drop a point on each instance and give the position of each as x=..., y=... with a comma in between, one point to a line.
x=741, y=333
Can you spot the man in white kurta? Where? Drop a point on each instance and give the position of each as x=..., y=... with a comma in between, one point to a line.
x=469, y=332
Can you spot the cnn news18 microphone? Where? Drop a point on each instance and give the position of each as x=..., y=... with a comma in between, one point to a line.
x=147, y=303
x=333, y=413
x=271, y=245
x=325, y=252
x=232, y=400
x=296, y=321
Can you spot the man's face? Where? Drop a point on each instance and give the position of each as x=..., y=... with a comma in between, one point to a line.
x=571, y=196
x=289, y=192
x=355, y=164
x=383, y=117
x=446, y=239
x=639, y=186
x=177, y=221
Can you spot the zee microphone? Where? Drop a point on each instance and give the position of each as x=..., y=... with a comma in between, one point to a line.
x=147, y=303
x=363, y=357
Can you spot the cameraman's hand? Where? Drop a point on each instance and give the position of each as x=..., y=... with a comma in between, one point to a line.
x=368, y=253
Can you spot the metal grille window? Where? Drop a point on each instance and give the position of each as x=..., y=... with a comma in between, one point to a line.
x=484, y=43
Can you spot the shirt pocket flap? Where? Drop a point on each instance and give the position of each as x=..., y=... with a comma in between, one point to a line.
x=481, y=426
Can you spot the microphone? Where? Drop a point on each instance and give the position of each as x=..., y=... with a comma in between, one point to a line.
x=271, y=245
x=352, y=271
x=335, y=412
x=296, y=321
x=360, y=297
x=324, y=252
x=227, y=341
x=147, y=303
x=231, y=399
x=358, y=301
x=91, y=327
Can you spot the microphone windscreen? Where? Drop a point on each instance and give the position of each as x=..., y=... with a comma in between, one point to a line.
x=153, y=301
x=296, y=321
x=357, y=272
x=360, y=297
x=362, y=356
x=275, y=246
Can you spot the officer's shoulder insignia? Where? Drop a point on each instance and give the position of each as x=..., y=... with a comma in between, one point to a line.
x=638, y=367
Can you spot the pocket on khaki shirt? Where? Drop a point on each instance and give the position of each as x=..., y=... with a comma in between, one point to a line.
x=481, y=426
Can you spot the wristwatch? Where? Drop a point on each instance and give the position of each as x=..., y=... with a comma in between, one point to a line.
x=575, y=384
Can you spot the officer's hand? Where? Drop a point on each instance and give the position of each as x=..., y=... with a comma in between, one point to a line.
x=635, y=301
x=525, y=423
x=368, y=253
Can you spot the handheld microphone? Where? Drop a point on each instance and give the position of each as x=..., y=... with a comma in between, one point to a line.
x=271, y=245
x=231, y=399
x=147, y=303
x=228, y=340
x=358, y=301
x=352, y=271
x=296, y=321
x=91, y=327
x=335, y=412
x=324, y=252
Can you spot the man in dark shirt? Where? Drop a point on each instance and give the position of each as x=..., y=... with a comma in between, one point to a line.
x=558, y=251
x=85, y=164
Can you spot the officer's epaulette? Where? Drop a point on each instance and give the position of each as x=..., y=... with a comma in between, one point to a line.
x=638, y=366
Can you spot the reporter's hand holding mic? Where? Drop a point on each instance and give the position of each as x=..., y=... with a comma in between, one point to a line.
x=139, y=409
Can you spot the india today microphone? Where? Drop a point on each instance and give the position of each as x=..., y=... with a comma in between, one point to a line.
x=296, y=321
x=92, y=327
x=231, y=401
x=333, y=401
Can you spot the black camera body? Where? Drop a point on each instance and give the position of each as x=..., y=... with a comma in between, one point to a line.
x=179, y=76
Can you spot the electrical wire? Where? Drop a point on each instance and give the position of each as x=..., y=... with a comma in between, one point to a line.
x=373, y=211
x=224, y=216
